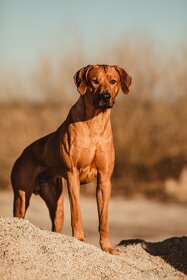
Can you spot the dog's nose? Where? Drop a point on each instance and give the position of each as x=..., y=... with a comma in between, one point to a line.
x=106, y=96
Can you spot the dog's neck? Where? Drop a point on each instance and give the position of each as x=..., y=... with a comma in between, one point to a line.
x=84, y=110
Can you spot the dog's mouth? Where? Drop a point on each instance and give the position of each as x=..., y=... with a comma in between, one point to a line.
x=103, y=101
x=104, y=106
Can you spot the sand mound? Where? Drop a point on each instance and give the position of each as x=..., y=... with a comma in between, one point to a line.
x=27, y=252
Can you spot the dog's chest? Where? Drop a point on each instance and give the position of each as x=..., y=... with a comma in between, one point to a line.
x=83, y=156
x=86, y=147
x=83, y=151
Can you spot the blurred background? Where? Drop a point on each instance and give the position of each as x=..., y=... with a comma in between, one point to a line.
x=43, y=43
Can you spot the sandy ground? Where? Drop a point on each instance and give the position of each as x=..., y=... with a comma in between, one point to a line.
x=28, y=252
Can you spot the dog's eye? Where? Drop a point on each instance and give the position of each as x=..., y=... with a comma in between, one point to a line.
x=94, y=81
x=112, y=81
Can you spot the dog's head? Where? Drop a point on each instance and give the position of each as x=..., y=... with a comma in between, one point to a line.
x=103, y=82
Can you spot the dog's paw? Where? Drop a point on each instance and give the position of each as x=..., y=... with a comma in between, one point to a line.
x=80, y=237
x=110, y=250
x=114, y=251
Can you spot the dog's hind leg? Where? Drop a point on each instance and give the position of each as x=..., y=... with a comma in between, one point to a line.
x=52, y=193
x=23, y=176
x=22, y=194
x=21, y=203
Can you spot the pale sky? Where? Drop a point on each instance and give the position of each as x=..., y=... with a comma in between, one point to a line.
x=29, y=28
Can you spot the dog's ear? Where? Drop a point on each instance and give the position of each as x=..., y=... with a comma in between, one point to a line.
x=80, y=79
x=126, y=80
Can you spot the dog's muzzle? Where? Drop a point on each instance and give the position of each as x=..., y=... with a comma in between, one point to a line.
x=103, y=100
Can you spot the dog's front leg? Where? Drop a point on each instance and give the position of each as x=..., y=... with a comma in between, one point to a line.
x=103, y=196
x=74, y=197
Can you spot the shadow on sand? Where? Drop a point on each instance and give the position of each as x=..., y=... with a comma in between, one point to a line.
x=172, y=250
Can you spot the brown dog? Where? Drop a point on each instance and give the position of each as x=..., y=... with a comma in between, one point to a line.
x=78, y=151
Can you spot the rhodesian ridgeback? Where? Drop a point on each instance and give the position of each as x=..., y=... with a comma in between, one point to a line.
x=78, y=151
